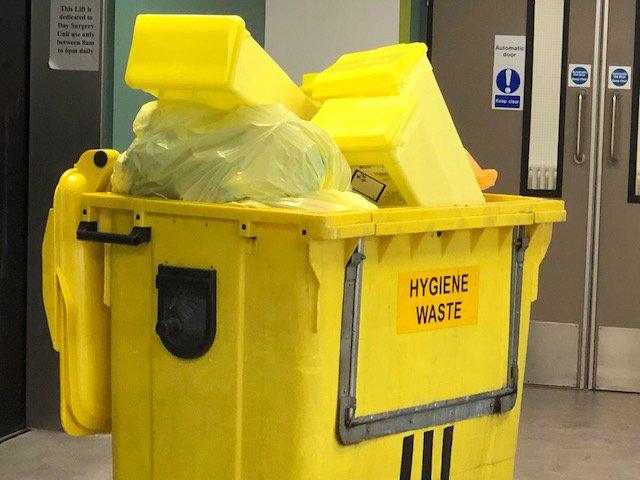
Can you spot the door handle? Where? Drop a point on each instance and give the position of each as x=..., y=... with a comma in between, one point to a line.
x=614, y=115
x=88, y=231
x=579, y=155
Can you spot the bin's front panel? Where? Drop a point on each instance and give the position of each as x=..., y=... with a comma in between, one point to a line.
x=176, y=417
x=441, y=329
x=261, y=403
x=481, y=448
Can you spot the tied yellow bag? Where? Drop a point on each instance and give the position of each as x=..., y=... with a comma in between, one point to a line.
x=261, y=155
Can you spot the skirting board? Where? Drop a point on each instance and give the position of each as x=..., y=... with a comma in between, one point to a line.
x=552, y=357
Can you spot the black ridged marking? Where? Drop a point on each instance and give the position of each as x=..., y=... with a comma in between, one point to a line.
x=427, y=455
x=407, y=458
x=447, y=445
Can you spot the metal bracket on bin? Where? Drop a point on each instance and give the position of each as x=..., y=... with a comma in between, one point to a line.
x=353, y=429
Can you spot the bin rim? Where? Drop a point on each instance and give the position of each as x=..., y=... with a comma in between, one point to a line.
x=499, y=211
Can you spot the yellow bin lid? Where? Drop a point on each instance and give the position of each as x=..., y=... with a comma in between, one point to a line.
x=371, y=123
x=210, y=59
x=369, y=73
x=184, y=52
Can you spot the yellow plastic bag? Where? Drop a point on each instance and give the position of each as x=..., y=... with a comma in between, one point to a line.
x=261, y=154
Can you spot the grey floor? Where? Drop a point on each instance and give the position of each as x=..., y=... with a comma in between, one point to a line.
x=564, y=435
x=573, y=435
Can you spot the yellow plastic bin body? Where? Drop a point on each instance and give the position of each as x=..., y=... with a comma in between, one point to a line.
x=360, y=345
x=440, y=173
x=210, y=59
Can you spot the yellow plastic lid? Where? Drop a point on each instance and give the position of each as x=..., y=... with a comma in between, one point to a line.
x=177, y=52
x=365, y=123
x=370, y=73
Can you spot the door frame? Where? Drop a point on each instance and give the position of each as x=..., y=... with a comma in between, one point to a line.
x=633, y=195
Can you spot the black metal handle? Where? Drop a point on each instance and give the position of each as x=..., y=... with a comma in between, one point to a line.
x=88, y=231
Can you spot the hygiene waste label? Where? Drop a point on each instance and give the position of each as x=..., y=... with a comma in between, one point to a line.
x=435, y=299
x=508, y=72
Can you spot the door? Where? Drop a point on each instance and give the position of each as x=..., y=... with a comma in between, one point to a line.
x=559, y=336
x=617, y=305
x=13, y=170
x=542, y=149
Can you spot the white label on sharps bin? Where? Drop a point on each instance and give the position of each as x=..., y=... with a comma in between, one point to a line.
x=579, y=75
x=620, y=78
x=508, y=72
x=74, y=35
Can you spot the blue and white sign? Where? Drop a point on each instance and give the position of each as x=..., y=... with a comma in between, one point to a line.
x=620, y=78
x=508, y=81
x=508, y=72
x=579, y=75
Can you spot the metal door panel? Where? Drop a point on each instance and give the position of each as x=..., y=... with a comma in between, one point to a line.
x=618, y=359
x=564, y=273
x=618, y=302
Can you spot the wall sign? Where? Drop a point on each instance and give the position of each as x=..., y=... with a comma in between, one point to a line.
x=74, y=35
x=579, y=75
x=508, y=72
x=620, y=78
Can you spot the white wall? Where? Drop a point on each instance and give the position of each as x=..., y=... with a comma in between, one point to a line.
x=306, y=36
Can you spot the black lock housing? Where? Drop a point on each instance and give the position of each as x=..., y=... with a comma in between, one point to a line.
x=186, y=310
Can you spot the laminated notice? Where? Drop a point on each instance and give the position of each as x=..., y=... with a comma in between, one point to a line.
x=74, y=35
x=375, y=183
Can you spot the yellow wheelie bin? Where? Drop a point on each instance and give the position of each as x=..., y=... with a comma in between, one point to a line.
x=228, y=342
x=234, y=343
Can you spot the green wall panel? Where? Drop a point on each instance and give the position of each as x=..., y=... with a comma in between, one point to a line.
x=127, y=102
